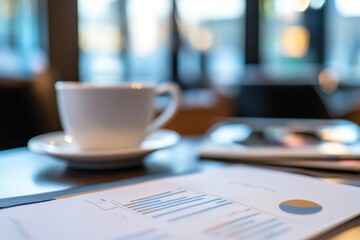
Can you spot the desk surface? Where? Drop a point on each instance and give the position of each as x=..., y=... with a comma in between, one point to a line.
x=25, y=173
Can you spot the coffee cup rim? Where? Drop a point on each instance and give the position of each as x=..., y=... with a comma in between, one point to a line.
x=79, y=85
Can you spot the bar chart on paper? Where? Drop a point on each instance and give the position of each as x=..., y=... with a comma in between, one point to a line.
x=232, y=203
x=201, y=213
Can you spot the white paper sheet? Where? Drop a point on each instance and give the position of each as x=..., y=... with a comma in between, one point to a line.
x=236, y=202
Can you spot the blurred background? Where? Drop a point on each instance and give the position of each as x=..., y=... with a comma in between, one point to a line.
x=253, y=58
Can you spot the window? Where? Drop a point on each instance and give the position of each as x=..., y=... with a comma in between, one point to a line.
x=291, y=34
x=343, y=39
x=134, y=40
x=22, y=37
x=212, y=33
x=196, y=43
x=124, y=40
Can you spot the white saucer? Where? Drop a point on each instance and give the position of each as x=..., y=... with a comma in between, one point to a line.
x=54, y=144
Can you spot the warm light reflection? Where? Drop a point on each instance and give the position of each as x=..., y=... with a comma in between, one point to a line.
x=289, y=10
x=68, y=138
x=333, y=148
x=201, y=39
x=328, y=80
x=137, y=85
x=341, y=134
x=334, y=180
x=106, y=38
x=147, y=22
x=299, y=5
x=294, y=140
x=295, y=41
x=144, y=34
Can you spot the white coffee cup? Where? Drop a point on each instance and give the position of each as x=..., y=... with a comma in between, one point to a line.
x=112, y=117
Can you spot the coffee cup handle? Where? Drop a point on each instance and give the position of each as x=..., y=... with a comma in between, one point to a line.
x=169, y=112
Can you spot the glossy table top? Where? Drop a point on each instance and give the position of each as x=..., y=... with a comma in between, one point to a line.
x=25, y=173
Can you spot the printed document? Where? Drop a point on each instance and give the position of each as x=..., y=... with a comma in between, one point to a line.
x=235, y=202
